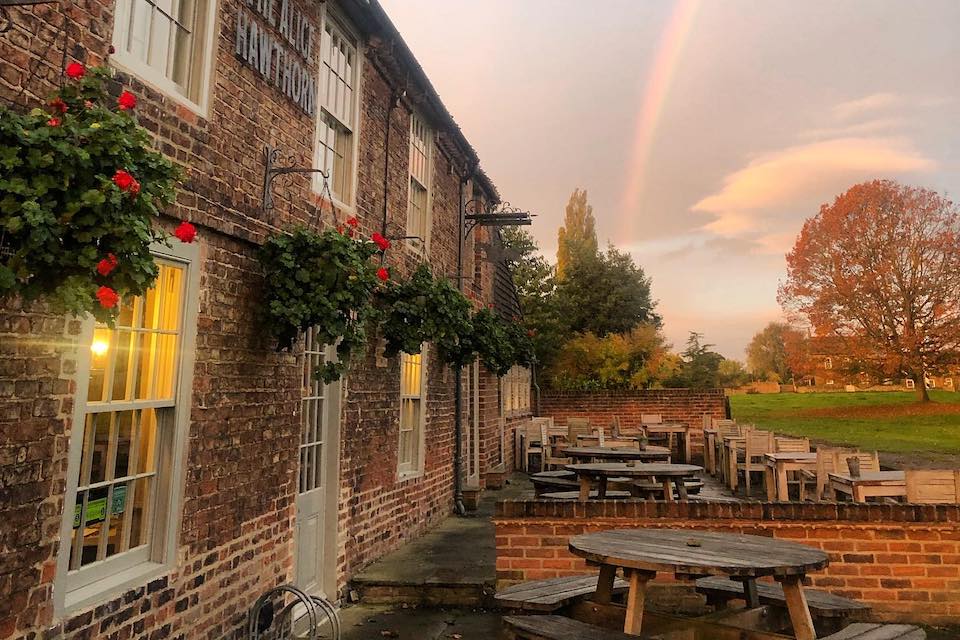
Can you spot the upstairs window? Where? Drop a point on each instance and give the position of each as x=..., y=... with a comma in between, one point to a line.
x=418, y=199
x=336, y=121
x=828, y=363
x=167, y=43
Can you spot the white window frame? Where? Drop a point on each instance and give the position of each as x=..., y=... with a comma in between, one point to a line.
x=108, y=578
x=828, y=363
x=515, y=391
x=128, y=63
x=425, y=182
x=909, y=383
x=340, y=25
x=405, y=471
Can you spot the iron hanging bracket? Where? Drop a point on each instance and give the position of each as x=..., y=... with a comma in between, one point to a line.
x=270, y=172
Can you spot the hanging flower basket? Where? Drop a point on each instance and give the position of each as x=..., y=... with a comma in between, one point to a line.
x=80, y=186
x=324, y=280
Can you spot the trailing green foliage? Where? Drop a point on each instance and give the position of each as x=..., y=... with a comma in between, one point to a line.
x=324, y=280
x=61, y=210
x=500, y=344
x=426, y=309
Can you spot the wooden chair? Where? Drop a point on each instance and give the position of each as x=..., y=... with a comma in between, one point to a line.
x=730, y=431
x=756, y=444
x=933, y=487
x=533, y=439
x=827, y=458
x=869, y=461
x=792, y=445
x=549, y=459
x=577, y=427
x=712, y=448
x=651, y=418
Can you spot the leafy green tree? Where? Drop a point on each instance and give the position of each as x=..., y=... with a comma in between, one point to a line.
x=701, y=365
x=637, y=359
x=606, y=293
x=577, y=238
x=732, y=373
x=767, y=352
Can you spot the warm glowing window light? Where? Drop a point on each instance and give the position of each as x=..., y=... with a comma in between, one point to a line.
x=99, y=347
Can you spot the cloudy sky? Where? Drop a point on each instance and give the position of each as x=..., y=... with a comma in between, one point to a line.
x=705, y=132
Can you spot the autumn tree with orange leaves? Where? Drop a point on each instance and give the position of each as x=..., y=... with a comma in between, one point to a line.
x=880, y=267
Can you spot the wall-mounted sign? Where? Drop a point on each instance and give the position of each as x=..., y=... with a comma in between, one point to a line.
x=285, y=62
x=97, y=509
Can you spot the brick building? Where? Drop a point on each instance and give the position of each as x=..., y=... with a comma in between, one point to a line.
x=165, y=513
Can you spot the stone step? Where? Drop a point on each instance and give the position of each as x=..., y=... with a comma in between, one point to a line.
x=475, y=593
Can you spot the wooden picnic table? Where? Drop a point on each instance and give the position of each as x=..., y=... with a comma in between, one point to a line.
x=650, y=454
x=672, y=429
x=778, y=465
x=641, y=553
x=876, y=484
x=600, y=472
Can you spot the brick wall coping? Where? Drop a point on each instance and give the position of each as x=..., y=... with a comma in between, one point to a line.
x=747, y=510
x=630, y=393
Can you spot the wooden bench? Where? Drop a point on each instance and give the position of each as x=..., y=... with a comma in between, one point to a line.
x=558, y=628
x=821, y=603
x=553, y=594
x=575, y=495
x=870, y=631
x=554, y=481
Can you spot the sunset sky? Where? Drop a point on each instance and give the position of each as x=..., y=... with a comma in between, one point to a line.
x=705, y=132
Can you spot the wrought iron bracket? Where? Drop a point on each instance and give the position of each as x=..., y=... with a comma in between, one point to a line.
x=270, y=171
x=501, y=215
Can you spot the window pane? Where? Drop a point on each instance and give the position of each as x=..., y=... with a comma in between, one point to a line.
x=93, y=517
x=99, y=424
x=99, y=362
x=148, y=441
x=141, y=500
x=124, y=437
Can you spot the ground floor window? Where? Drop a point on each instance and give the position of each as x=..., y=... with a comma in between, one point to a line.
x=132, y=409
x=411, y=412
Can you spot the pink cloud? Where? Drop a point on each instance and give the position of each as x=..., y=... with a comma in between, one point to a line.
x=767, y=194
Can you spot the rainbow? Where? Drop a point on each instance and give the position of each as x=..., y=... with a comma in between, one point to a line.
x=654, y=97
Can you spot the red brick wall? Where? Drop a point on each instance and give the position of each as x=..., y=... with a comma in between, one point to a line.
x=903, y=560
x=675, y=405
x=236, y=538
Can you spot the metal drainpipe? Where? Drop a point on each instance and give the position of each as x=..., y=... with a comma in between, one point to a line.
x=394, y=101
x=458, y=507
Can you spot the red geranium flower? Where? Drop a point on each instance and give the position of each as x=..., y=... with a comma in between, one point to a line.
x=88, y=104
x=105, y=266
x=126, y=101
x=352, y=221
x=57, y=104
x=186, y=232
x=75, y=70
x=107, y=297
x=380, y=241
x=135, y=187
x=54, y=122
x=383, y=274
x=123, y=179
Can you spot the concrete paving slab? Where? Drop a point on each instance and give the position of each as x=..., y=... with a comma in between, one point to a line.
x=373, y=622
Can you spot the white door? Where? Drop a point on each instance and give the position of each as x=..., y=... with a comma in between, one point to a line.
x=315, y=534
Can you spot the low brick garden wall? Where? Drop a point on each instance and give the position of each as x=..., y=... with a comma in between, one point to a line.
x=903, y=560
x=686, y=406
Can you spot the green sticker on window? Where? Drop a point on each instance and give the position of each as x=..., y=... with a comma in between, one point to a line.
x=96, y=509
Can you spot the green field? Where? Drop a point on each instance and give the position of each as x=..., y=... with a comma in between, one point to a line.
x=884, y=421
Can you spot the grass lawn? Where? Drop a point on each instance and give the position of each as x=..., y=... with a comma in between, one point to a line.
x=892, y=422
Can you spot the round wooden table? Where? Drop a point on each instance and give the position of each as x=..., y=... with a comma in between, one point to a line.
x=650, y=454
x=665, y=473
x=691, y=554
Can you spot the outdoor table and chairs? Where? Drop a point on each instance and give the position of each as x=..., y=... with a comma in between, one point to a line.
x=667, y=475
x=778, y=468
x=671, y=431
x=875, y=484
x=641, y=553
x=622, y=454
